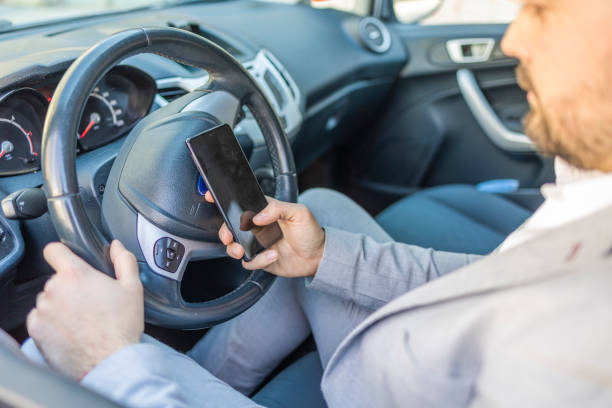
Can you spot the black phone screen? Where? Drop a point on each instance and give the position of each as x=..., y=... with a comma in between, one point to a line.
x=231, y=181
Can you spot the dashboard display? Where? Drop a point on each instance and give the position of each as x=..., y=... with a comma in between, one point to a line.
x=119, y=100
x=22, y=113
x=102, y=116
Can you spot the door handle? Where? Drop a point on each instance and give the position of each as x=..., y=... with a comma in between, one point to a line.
x=470, y=50
x=488, y=120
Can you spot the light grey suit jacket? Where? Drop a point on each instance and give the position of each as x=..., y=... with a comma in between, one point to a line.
x=528, y=327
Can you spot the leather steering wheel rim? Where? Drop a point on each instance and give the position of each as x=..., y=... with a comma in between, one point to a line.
x=163, y=302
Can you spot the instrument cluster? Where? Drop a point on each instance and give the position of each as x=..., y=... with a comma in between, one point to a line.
x=121, y=98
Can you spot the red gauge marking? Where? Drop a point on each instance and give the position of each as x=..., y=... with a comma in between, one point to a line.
x=88, y=128
x=2, y=153
x=29, y=136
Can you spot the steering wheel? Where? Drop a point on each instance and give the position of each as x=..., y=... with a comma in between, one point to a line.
x=151, y=201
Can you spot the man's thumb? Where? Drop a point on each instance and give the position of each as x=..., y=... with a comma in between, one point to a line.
x=126, y=268
x=274, y=211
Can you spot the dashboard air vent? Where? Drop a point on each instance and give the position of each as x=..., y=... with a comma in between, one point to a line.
x=276, y=89
x=172, y=93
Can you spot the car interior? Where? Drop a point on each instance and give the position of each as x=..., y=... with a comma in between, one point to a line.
x=421, y=124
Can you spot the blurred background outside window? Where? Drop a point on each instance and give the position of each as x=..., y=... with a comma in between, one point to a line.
x=17, y=12
x=436, y=11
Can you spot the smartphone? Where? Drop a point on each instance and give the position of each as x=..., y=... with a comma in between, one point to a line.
x=228, y=176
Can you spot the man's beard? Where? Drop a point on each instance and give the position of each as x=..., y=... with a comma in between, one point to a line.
x=564, y=130
x=535, y=123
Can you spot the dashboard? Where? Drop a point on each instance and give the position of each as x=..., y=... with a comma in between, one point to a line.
x=316, y=72
x=118, y=101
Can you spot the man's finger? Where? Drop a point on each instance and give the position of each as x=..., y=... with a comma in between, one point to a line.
x=50, y=284
x=261, y=261
x=235, y=250
x=225, y=235
x=41, y=300
x=276, y=210
x=63, y=260
x=32, y=323
x=126, y=268
x=208, y=197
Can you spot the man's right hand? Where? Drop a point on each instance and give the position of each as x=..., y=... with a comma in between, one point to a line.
x=297, y=254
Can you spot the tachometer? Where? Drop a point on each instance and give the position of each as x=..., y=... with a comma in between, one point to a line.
x=102, y=118
x=22, y=114
x=119, y=100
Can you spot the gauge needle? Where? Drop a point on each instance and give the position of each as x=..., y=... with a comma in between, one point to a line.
x=88, y=128
x=2, y=153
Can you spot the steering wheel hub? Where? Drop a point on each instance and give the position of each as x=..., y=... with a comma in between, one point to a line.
x=159, y=178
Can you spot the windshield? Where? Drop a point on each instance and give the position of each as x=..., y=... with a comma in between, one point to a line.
x=23, y=12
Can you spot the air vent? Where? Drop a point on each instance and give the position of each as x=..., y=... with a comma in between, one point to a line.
x=374, y=35
x=276, y=89
x=281, y=71
x=172, y=93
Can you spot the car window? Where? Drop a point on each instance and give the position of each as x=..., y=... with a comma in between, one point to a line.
x=16, y=13
x=360, y=7
x=456, y=11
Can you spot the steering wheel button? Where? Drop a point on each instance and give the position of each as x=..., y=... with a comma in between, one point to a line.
x=159, y=252
x=170, y=254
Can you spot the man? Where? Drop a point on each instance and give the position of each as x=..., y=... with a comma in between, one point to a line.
x=526, y=326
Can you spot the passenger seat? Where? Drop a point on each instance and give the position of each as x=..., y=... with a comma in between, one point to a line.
x=455, y=218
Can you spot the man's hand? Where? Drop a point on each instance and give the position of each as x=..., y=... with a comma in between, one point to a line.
x=297, y=254
x=83, y=315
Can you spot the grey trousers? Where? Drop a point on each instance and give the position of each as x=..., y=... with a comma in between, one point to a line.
x=243, y=351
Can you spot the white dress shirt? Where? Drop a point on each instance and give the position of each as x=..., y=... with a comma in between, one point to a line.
x=576, y=194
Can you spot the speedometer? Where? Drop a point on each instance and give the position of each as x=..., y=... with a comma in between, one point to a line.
x=102, y=118
x=22, y=113
x=118, y=101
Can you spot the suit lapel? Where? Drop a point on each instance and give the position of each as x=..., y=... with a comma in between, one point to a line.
x=551, y=254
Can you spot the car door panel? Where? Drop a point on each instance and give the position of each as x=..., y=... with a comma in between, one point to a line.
x=437, y=130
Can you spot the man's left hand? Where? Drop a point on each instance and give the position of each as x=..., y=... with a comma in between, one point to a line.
x=83, y=315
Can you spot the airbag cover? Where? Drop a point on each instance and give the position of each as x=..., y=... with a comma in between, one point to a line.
x=159, y=178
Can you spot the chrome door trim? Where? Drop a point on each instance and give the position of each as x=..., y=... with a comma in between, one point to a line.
x=488, y=120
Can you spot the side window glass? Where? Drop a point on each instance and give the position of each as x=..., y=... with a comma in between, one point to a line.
x=455, y=11
x=360, y=7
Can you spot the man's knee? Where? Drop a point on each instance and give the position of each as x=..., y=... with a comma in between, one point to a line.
x=334, y=209
x=325, y=203
x=314, y=196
